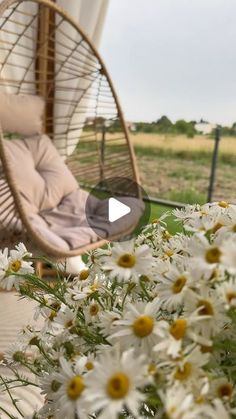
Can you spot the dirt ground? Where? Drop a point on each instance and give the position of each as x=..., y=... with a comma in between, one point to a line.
x=185, y=180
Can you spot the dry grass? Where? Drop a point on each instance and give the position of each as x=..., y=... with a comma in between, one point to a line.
x=182, y=143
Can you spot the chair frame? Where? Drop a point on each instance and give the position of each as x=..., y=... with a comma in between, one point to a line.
x=15, y=209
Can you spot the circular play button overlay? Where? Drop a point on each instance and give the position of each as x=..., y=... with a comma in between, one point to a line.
x=115, y=209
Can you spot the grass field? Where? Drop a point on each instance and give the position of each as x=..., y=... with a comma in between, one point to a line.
x=178, y=168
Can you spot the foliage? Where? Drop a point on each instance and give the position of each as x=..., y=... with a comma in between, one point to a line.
x=165, y=126
x=146, y=330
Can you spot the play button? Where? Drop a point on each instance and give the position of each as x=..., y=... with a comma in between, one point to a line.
x=117, y=210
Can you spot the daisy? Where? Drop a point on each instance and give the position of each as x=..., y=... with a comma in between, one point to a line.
x=92, y=311
x=228, y=257
x=207, y=304
x=218, y=411
x=187, y=369
x=107, y=319
x=65, y=318
x=227, y=293
x=82, y=291
x=127, y=262
x=113, y=385
x=178, y=331
x=172, y=286
x=139, y=326
x=16, y=353
x=205, y=257
x=19, y=252
x=68, y=392
x=14, y=263
x=178, y=402
x=222, y=389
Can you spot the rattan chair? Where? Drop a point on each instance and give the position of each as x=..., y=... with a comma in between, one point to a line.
x=44, y=51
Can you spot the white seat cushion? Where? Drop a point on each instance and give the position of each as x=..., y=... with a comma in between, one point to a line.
x=42, y=177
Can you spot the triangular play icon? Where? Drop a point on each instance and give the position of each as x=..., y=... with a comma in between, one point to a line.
x=116, y=209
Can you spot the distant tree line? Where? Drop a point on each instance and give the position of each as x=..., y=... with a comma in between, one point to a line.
x=229, y=131
x=162, y=125
x=165, y=126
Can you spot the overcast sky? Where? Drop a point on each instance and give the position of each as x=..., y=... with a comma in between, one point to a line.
x=173, y=57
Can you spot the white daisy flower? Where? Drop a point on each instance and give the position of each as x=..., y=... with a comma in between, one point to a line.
x=227, y=293
x=207, y=303
x=19, y=252
x=187, y=369
x=65, y=318
x=127, y=262
x=221, y=388
x=92, y=311
x=205, y=257
x=172, y=287
x=178, y=402
x=218, y=410
x=82, y=291
x=178, y=331
x=14, y=263
x=228, y=254
x=68, y=394
x=107, y=319
x=139, y=326
x=114, y=384
x=16, y=353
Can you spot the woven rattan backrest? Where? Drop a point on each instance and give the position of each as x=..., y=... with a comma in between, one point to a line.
x=43, y=51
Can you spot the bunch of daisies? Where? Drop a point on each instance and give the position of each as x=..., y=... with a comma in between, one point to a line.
x=148, y=329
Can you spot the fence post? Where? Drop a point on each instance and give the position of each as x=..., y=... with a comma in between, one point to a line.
x=213, y=164
x=102, y=151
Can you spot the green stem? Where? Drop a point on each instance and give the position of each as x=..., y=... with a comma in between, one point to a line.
x=9, y=393
x=8, y=414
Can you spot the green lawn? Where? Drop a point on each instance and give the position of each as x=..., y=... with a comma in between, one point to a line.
x=158, y=210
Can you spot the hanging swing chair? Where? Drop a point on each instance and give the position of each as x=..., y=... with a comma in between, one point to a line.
x=44, y=54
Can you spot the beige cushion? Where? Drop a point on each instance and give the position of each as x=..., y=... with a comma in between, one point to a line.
x=21, y=114
x=40, y=173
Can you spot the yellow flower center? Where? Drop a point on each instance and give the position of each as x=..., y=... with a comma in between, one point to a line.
x=234, y=228
x=155, y=221
x=178, y=329
x=143, y=326
x=89, y=365
x=169, y=252
x=118, y=386
x=179, y=284
x=184, y=373
x=206, y=349
x=15, y=266
x=75, y=387
x=52, y=315
x=216, y=227
x=84, y=274
x=223, y=204
x=93, y=309
x=213, y=255
x=166, y=235
x=94, y=287
x=126, y=261
x=231, y=296
x=144, y=278
x=152, y=369
x=206, y=308
x=68, y=324
x=225, y=390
